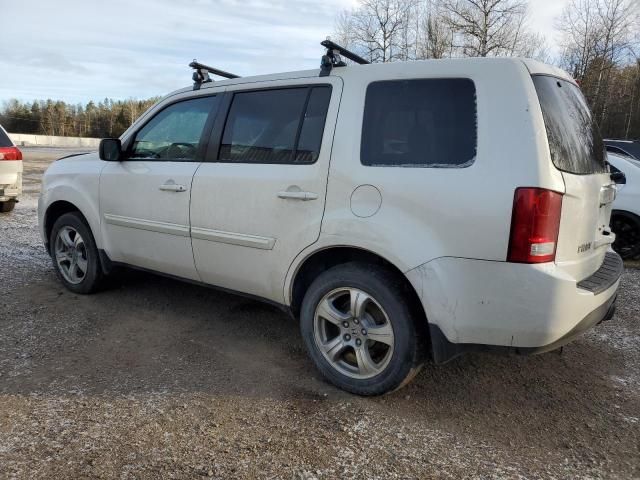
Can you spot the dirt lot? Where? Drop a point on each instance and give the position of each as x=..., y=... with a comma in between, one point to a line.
x=156, y=378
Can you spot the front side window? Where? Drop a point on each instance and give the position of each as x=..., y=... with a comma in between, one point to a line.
x=174, y=133
x=276, y=126
x=420, y=123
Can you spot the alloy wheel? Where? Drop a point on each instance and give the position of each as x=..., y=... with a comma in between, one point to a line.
x=353, y=333
x=71, y=255
x=627, y=242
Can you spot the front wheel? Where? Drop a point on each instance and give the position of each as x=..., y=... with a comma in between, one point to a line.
x=360, y=330
x=74, y=254
x=626, y=226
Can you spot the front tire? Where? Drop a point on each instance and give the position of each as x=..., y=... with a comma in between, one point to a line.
x=74, y=254
x=626, y=226
x=8, y=206
x=360, y=330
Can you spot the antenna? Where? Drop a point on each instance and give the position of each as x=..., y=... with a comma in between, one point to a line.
x=333, y=57
x=202, y=71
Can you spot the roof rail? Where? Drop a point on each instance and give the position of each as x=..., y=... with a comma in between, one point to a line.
x=333, y=57
x=202, y=71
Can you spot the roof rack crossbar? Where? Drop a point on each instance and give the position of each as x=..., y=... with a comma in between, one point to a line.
x=333, y=57
x=202, y=71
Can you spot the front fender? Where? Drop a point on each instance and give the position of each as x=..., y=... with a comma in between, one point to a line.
x=76, y=181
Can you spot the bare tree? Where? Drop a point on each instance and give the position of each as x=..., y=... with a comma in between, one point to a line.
x=434, y=36
x=485, y=27
x=380, y=30
x=597, y=37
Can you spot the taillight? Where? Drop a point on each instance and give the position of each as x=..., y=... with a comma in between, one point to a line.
x=10, y=153
x=535, y=223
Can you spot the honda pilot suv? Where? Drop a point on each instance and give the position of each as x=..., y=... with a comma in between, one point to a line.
x=400, y=211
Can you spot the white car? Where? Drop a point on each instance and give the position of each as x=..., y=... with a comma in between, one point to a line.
x=399, y=211
x=10, y=172
x=625, y=218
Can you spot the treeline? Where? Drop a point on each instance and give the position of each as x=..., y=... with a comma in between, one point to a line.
x=599, y=46
x=599, y=42
x=108, y=118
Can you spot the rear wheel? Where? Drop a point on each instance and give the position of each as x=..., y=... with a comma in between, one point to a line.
x=626, y=226
x=8, y=206
x=360, y=330
x=74, y=254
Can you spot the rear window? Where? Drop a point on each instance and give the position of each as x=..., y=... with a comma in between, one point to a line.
x=5, y=141
x=420, y=123
x=574, y=138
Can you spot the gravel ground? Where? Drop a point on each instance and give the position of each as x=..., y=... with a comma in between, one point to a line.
x=155, y=378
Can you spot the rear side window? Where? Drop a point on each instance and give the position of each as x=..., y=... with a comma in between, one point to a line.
x=420, y=123
x=574, y=138
x=5, y=141
x=276, y=126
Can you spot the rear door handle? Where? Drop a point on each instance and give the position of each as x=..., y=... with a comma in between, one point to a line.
x=304, y=196
x=172, y=187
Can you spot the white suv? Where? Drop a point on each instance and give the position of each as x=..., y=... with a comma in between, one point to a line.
x=397, y=210
x=625, y=218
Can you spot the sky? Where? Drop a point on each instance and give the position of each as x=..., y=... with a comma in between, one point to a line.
x=80, y=50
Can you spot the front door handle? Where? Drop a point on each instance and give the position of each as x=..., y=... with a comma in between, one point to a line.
x=304, y=196
x=172, y=187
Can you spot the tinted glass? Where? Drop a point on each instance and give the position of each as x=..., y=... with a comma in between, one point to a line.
x=574, y=138
x=308, y=147
x=616, y=150
x=262, y=126
x=625, y=148
x=5, y=141
x=175, y=132
x=420, y=123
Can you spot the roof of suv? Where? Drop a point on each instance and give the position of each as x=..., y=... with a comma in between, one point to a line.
x=534, y=67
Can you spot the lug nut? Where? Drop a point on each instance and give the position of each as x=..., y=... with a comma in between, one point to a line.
x=358, y=342
x=356, y=321
x=364, y=331
x=345, y=324
x=347, y=337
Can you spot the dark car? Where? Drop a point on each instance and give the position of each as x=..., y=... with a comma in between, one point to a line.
x=627, y=148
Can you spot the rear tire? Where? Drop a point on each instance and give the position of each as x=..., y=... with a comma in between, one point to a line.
x=626, y=226
x=74, y=254
x=8, y=206
x=360, y=330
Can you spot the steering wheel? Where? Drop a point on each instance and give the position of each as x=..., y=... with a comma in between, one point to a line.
x=175, y=150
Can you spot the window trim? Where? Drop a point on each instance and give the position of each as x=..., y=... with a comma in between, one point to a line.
x=467, y=164
x=204, y=136
x=212, y=154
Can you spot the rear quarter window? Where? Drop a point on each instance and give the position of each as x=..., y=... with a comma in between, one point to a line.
x=575, y=142
x=420, y=123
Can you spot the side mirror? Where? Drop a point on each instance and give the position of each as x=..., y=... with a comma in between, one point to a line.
x=619, y=177
x=110, y=150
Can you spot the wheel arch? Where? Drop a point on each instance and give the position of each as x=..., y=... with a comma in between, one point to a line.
x=322, y=259
x=624, y=212
x=55, y=211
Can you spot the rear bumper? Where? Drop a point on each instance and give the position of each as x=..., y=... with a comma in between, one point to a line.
x=10, y=179
x=474, y=305
x=444, y=351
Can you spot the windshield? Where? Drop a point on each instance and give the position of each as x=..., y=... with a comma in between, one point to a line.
x=574, y=138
